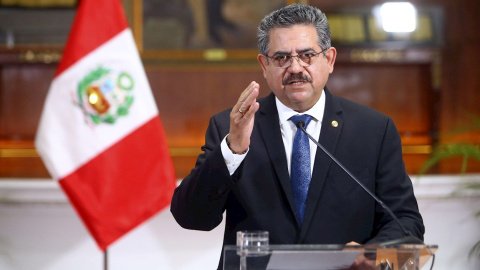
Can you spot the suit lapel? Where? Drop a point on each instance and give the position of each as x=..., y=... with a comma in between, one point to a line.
x=328, y=138
x=269, y=127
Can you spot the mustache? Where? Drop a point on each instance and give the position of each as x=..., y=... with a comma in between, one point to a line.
x=296, y=77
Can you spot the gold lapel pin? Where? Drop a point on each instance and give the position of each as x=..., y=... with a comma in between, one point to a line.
x=334, y=123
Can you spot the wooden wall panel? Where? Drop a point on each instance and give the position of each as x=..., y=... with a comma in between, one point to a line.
x=24, y=88
x=402, y=91
x=188, y=95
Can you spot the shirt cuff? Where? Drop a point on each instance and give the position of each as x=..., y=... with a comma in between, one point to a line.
x=232, y=160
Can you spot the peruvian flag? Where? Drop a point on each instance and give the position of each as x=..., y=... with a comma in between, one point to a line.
x=100, y=134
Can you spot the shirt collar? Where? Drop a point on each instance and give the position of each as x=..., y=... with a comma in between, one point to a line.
x=284, y=112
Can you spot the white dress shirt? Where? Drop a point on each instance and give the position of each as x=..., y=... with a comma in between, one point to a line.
x=288, y=130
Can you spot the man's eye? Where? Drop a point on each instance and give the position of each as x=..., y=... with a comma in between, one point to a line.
x=306, y=55
x=281, y=57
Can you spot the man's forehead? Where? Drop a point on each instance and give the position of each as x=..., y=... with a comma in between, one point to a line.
x=298, y=38
x=295, y=28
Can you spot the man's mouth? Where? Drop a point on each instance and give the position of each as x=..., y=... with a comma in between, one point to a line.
x=296, y=79
x=296, y=82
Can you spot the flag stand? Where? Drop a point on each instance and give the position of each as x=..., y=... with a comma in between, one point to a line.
x=105, y=260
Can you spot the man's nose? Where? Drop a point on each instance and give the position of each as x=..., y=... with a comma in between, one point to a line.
x=295, y=65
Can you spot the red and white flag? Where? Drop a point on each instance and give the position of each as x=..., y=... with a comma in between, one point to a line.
x=100, y=134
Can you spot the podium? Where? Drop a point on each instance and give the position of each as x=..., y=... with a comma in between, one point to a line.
x=327, y=257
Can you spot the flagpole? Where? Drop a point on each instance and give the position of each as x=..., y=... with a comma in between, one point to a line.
x=105, y=260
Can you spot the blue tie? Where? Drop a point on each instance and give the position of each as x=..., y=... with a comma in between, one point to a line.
x=300, y=167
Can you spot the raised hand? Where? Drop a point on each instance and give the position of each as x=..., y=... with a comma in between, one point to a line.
x=242, y=117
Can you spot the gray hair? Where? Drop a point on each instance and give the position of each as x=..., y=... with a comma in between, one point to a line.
x=293, y=15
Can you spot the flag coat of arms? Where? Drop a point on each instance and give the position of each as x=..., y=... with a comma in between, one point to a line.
x=100, y=134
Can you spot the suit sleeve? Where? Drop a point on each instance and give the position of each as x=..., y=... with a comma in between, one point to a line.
x=394, y=188
x=199, y=201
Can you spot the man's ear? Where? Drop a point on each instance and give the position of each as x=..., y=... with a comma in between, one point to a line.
x=331, y=56
x=262, y=59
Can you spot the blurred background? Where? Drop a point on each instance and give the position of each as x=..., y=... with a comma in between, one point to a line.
x=199, y=55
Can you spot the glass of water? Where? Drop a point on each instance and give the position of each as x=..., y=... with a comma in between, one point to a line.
x=252, y=243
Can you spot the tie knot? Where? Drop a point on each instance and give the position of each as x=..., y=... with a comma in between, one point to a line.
x=302, y=117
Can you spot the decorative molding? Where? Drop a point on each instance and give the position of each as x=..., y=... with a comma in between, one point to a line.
x=32, y=191
x=45, y=57
x=445, y=186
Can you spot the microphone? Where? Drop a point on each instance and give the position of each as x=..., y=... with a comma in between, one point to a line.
x=409, y=238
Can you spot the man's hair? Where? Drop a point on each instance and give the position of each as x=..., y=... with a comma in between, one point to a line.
x=291, y=15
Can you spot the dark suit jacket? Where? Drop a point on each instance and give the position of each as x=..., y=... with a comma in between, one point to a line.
x=258, y=195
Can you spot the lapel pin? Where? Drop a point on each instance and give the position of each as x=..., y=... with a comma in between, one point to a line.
x=334, y=123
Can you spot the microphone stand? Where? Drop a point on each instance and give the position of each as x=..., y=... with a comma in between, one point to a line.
x=409, y=238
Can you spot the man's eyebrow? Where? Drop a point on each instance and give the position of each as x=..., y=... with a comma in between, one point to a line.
x=298, y=51
x=281, y=53
x=305, y=50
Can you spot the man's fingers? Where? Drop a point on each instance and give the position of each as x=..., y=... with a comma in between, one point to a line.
x=247, y=98
x=241, y=118
x=252, y=109
x=245, y=93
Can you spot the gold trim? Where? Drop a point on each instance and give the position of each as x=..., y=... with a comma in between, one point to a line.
x=376, y=55
x=183, y=151
x=18, y=153
x=424, y=149
x=46, y=57
x=32, y=152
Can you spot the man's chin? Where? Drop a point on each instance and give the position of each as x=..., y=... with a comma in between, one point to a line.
x=301, y=105
x=299, y=97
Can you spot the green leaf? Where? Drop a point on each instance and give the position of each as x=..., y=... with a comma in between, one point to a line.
x=475, y=251
x=446, y=151
x=466, y=151
x=109, y=119
x=122, y=110
x=95, y=119
x=128, y=101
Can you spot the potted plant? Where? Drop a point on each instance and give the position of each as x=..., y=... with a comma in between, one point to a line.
x=466, y=151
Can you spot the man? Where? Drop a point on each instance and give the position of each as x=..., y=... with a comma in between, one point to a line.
x=250, y=167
